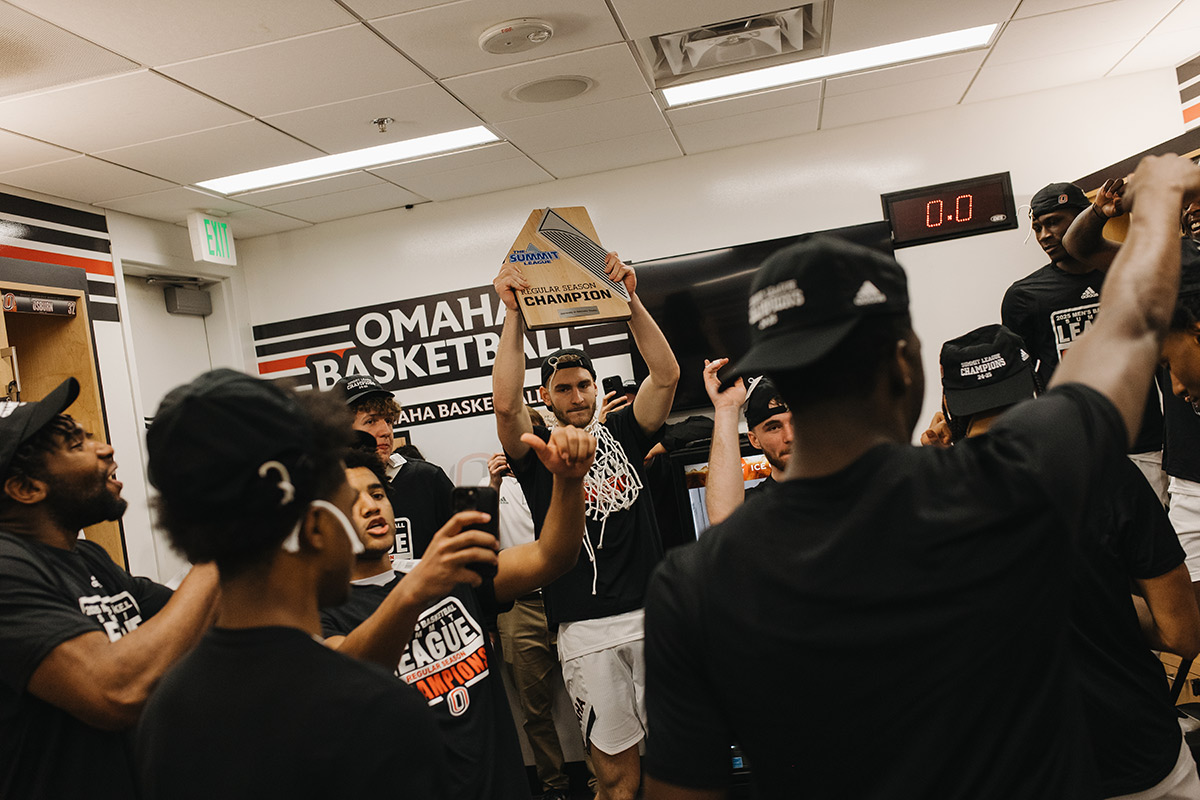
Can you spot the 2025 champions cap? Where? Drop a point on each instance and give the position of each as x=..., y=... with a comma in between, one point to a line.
x=20, y=421
x=985, y=369
x=808, y=297
x=356, y=387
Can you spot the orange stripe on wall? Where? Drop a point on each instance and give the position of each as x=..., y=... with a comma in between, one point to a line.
x=91, y=265
x=295, y=362
x=1191, y=113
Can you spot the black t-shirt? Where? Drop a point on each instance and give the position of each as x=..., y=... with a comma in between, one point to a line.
x=48, y=596
x=626, y=544
x=1131, y=721
x=897, y=629
x=450, y=661
x=1050, y=309
x=260, y=713
x=420, y=496
x=1181, y=435
x=762, y=487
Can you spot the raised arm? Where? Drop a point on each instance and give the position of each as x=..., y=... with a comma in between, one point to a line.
x=106, y=683
x=526, y=567
x=1118, y=356
x=653, y=401
x=382, y=637
x=508, y=372
x=1084, y=240
x=725, y=486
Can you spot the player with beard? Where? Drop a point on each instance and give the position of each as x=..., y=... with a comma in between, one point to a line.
x=769, y=428
x=82, y=643
x=597, y=605
x=945, y=564
x=450, y=659
x=1052, y=307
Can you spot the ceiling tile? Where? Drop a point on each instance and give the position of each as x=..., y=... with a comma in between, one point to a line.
x=213, y=153
x=642, y=19
x=342, y=127
x=1108, y=23
x=475, y=157
x=370, y=9
x=858, y=24
x=38, y=55
x=1032, y=8
x=1176, y=39
x=907, y=73
x=627, y=151
x=349, y=203
x=758, y=126
x=303, y=72
x=156, y=32
x=127, y=109
x=894, y=101
x=492, y=177
x=745, y=104
x=314, y=188
x=1060, y=69
x=445, y=39
x=19, y=151
x=612, y=68
x=259, y=222
x=594, y=123
x=85, y=179
x=174, y=204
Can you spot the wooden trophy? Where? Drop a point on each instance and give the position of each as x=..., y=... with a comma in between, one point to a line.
x=560, y=255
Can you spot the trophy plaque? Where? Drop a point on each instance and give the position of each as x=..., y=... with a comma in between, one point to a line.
x=561, y=257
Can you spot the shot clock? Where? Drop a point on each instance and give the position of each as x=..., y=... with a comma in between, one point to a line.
x=950, y=210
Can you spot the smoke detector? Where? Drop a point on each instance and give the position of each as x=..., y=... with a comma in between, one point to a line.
x=515, y=36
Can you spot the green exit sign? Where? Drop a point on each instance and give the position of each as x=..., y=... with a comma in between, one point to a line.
x=212, y=240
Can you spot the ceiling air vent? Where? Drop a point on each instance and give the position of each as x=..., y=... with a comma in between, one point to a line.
x=778, y=36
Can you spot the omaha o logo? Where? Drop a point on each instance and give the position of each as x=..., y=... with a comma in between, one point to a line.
x=458, y=700
x=10, y=301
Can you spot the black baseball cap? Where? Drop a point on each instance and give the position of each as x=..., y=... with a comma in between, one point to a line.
x=20, y=421
x=357, y=387
x=565, y=358
x=1054, y=196
x=214, y=444
x=808, y=297
x=763, y=401
x=985, y=369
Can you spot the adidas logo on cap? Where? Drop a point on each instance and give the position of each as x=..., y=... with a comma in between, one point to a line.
x=869, y=295
x=1089, y=294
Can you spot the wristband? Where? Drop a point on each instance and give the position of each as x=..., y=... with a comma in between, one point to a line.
x=1099, y=213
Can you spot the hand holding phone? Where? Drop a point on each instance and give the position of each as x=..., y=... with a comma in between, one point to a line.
x=487, y=500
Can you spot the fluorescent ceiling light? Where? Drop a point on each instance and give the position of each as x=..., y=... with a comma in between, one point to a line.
x=814, y=68
x=437, y=144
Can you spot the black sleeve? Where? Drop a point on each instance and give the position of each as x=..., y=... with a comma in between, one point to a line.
x=628, y=431
x=1057, y=443
x=1147, y=544
x=1014, y=315
x=440, y=487
x=36, y=616
x=688, y=737
x=151, y=596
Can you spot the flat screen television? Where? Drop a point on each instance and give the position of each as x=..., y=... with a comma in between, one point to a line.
x=688, y=468
x=699, y=301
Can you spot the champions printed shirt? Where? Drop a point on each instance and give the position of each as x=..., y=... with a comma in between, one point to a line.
x=450, y=662
x=1050, y=309
x=48, y=596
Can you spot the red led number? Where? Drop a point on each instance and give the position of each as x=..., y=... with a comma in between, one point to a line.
x=935, y=211
x=929, y=212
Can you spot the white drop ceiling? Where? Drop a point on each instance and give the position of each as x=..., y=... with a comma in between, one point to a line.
x=126, y=104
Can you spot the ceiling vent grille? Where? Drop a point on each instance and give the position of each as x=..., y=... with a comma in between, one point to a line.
x=779, y=36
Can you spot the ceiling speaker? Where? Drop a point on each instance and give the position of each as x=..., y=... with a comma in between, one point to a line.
x=515, y=36
x=552, y=90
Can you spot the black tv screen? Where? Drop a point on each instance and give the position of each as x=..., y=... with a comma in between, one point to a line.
x=699, y=301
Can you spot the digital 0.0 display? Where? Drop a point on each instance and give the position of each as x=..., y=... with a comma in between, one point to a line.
x=950, y=210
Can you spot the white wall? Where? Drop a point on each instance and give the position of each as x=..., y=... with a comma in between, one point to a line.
x=817, y=181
